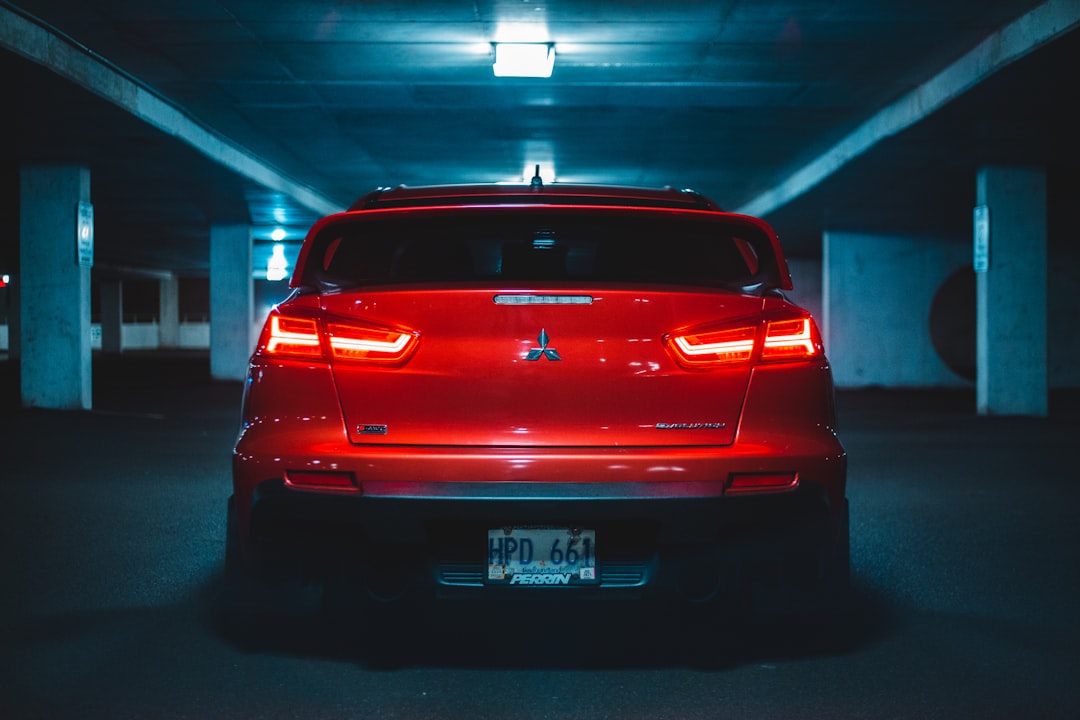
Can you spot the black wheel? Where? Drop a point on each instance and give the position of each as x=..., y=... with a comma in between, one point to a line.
x=232, y=540
x=237, y=586
x=259, y=608
x=840, y=572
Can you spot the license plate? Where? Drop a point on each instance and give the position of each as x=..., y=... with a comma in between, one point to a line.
x=541, y=556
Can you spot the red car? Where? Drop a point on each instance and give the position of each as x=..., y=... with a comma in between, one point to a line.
x=571, y=390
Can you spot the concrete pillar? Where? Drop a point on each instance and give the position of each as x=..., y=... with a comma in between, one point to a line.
x=877, y=291
x=9, y=225
x=231, y=301
x=1010, y=282
x=112, y=316
x=54, y=289
x=14, y=319
x=169, y=320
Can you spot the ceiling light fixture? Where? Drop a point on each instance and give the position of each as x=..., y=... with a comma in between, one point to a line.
x=524, y=59
x=277, y=267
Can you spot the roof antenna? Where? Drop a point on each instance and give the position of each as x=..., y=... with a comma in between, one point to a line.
x=537, y=182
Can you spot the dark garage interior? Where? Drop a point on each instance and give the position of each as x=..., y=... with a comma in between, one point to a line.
x=918, y=161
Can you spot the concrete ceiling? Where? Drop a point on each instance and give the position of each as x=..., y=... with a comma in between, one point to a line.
x=782, y=107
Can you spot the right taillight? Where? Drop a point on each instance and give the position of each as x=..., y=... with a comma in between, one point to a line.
x=795, y=339
x=307, y=336
x=775, y=339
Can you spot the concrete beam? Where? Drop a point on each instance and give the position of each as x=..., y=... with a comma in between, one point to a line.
x=1030, y=31
x=33, y=40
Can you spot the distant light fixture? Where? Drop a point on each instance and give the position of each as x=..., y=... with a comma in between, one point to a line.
x=5, y=280
x=524, y=60
x=278, y=235
x=277, y=266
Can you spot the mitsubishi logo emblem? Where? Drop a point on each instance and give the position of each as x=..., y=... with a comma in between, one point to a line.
x=549, y=353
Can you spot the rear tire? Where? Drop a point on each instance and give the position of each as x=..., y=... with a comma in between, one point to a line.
x=253, y=608
x=238, y=587
x=232, y=540
x=839, y=578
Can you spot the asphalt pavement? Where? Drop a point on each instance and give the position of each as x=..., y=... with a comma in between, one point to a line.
x=966, y=572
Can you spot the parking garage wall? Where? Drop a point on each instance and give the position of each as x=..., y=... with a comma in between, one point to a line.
x=878, y=295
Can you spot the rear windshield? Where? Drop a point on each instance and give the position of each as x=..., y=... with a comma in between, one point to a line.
x=525, y=245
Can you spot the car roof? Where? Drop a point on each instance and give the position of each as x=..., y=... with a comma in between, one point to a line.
x=533, y=193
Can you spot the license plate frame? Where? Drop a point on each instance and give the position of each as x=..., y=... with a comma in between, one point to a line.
x=541, y=556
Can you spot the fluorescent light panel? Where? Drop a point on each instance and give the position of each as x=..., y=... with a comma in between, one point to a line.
x=524, y=59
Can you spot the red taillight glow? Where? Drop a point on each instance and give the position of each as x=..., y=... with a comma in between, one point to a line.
x=762, y=482
x=302, y=337
x=297, y=337
x=717, y=347
x=789, y=339
x=785, y=339
x=343, y=481
x=351, y=342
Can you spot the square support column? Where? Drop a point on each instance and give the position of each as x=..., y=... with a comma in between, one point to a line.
x=169, y=320
x=231, y=301
x=1011, y=308
x=14, y=319
x=9, y=225
x=112, y=316
x=54, y=292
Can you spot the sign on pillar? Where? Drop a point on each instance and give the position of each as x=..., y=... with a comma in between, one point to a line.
x=981, y=260
x=84, y=235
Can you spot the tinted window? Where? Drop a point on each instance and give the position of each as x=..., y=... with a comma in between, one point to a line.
x=523, y=245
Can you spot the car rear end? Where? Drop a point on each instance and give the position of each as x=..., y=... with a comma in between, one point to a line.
x=490, y=398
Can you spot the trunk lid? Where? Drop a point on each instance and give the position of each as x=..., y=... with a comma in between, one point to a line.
x=558, y=366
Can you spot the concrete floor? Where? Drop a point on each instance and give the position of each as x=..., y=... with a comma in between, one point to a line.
x=965, y=545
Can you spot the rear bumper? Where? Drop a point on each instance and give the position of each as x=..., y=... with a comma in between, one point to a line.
x=690, y=547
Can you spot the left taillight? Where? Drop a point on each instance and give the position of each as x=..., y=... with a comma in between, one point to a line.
x=713, y=347
x=285, y=336
x=310, y=337
x=774, y=339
